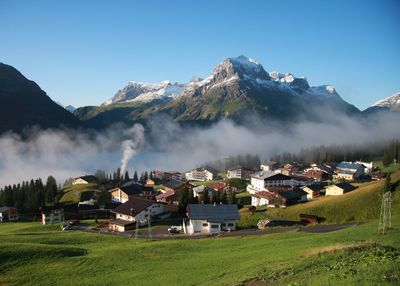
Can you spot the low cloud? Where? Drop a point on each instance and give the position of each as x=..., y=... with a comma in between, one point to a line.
x=168, y=146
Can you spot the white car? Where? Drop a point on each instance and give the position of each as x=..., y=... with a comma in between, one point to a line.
x=175, y=229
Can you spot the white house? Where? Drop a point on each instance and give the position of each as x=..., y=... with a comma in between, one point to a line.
x=239, y=172
x=8, y=214
x=369, y=167
x=339, y=189
x=349, y=171
x=260, y=180
x=269, y=166
x=214, y=218
x=199, y=174
x=134, y=211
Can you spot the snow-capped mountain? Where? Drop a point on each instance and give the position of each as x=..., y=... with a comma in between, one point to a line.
x=237, y=87
x=146, y=92
x=391, y=102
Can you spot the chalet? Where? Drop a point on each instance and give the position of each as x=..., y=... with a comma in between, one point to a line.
x=377, y=176
x=168, y=197
x=349, y=171
x=122, y=194
x=339, y=189
x=150, y=183
x=368, y=166
x=197, y=191
x=239, y=172
x=263, y=179
x=298, y=180
x=176, y=185
x=168, y=176
x=136, y=211
x=269, y=166
x=317, y=175
x=326, y=168
x=8, y=214
x=200, y=174
x=222, y=187
x=52, y=216
x=313, y=190
x=281, y=198
x=203, y=218
x=84, y=180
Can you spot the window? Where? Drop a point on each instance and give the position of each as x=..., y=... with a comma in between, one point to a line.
x=230, y=224
x=214, y=226
x=205, y=224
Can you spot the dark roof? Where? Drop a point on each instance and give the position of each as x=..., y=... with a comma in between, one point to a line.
x=133, y=206
x=88, y=178
x=277, y=177
x=215, y=213
x=349, y=165
x=315, y=187
x=121, y=222
x=240, y=167
x=134, y=189
x=293, y=194
x=174, y=184
x=345, y=186
x=5, y=208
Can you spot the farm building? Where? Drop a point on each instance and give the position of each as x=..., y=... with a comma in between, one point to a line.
x=349, y=171
x=214, y=218
x=339, y=189
x=134, y=211
x=52, y=216
x=261, y=180
x=8, y=214
x=313, y=190
x=84, y=180
x=239, y=172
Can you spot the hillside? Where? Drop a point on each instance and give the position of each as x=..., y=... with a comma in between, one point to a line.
x=77, y=193
x=24, y=104
x=362, y=204
x=353, y=256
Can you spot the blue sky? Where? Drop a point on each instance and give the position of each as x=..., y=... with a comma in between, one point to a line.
x=82, y=52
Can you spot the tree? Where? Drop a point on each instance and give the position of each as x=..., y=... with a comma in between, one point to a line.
x=145, y=176
x=135, y=177
x=191, y=199
x=205, y=196
x=231, y=197
x=50, y=190
x=214, y=197
x=183, y=198
x=126, y=177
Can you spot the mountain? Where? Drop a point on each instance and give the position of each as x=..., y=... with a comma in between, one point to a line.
x=238, y=88
x=391, y=103
x=24, y=104
x=70, y=108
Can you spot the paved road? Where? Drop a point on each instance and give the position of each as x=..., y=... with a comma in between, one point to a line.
x=161, y=232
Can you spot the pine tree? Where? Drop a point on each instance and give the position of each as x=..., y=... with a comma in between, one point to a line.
x=135, y=177
x=205, y=196
x=388, y=186
x=126, y=177
x=50, y=190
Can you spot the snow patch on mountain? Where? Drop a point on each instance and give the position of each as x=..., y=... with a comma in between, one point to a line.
x=389, y=102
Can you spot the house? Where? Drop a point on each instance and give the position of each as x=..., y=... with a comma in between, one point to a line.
x=349, y=171
x=313, y=190
x=203, y=218
x=84, y=180
x=200, y=174
x=197, y=191
x=176, y=186
x=8, y=214
x=368, y=167
x=150, y=183
x=326, y=168
x=262, y=179
x=377, y=176
x=298, y=180
x=239, y=172
x=339, y=189
x=222, y=187
x=168, y=197
x=280, y=198
x=52, y=216
x=317, y=175
x=122, y=194
x=269, y=166
x=135, y=211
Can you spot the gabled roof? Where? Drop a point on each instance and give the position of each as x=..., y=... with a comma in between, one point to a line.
x=88, y=178
x=315, y=187
x=264, y=195
x=5, y=208
x=277, y=177
x=292, y=194
x=240, y=167
x=349, y=165
x=167, y=194
x=214, y=213
x=133, y=206
x=199, y=189
x=345, y=186
x=174, y=184
x=133, y=189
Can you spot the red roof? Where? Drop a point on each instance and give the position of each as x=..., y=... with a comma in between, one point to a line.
x=219, y=186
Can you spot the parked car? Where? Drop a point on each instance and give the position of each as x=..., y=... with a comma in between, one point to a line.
x=175, y=229
x=74, y=222
x=68, y=227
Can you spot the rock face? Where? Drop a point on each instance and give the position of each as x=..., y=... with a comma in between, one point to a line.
x=237, y=88
x=24, y=104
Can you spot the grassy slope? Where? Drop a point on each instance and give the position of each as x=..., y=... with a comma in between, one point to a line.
x=77, y=193
x=360, y=205
x=44, y=255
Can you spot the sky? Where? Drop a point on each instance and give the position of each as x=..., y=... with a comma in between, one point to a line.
x=83, y=52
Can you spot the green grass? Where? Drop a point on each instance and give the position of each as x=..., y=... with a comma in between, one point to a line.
x=31, y=254
x=77, y=193
x=360, y=205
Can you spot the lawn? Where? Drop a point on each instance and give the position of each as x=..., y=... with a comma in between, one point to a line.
x=31, y=254
x=77, y=193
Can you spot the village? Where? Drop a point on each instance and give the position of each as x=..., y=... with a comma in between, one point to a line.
x=203, y=201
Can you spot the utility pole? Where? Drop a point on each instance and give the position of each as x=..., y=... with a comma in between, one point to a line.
x=385, y=219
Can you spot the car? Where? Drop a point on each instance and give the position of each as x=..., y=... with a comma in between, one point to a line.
x=74, y=222
x=175, y=229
